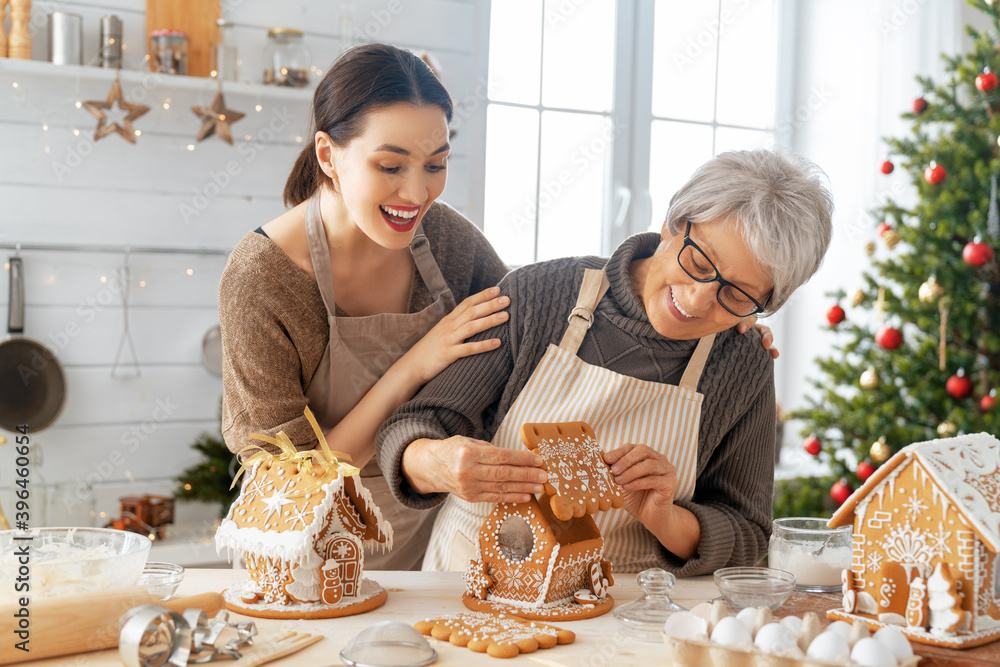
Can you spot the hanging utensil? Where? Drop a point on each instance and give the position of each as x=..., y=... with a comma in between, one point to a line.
x=125, y=280
x=32, y=382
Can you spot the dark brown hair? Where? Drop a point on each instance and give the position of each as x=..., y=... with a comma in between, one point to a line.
x=363, y=79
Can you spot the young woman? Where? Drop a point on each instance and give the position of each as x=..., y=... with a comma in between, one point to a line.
x=347, y=302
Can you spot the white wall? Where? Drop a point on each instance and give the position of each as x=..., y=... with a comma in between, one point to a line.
x=133, y=435
x=855, y=68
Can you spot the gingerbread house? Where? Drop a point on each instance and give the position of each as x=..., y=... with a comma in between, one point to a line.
x=926, y=538
x=301, y=522
x=544, y=559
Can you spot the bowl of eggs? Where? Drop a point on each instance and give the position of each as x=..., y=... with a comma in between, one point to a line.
x=754, y=586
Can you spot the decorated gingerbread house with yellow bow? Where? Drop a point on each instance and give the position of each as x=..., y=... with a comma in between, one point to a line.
x=301, y=522
x=926, y=538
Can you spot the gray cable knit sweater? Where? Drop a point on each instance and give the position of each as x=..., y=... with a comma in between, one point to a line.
x=735, y=474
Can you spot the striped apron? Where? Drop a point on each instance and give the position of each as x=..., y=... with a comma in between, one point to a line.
x=621, y=410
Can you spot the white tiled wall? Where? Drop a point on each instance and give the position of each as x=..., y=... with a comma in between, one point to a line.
x=57, y=186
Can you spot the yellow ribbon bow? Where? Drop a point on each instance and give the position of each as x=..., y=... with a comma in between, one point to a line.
x=324, y=458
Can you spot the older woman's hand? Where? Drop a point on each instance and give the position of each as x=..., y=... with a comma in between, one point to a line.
x=766, y=336
x=649, y=482
x=473, y=470
x=647, y=477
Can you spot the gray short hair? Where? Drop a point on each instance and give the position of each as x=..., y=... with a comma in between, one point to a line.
x=779, y=200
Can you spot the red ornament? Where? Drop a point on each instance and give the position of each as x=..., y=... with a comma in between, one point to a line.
x=887, y=167
x=987, y=403
x=959, y=386
x=888, y=337
x=883, y=228
x=986, y=81
x=977, y=253
x=935, y=173
x=865, y=470
x=812, y=445
x=919, y=105
x=835, y=315
x=840, y=492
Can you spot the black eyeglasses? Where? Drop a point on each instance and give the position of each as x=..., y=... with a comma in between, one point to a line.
x=696, y=264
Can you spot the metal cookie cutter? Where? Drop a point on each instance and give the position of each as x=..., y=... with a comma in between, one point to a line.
x=153, y=636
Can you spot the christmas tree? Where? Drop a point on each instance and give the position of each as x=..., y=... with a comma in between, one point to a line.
x=918, y=343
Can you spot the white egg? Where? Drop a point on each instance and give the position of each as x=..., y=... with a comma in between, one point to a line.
x=895, y=641
x=870, y=653
x=774, y=638
x=793, y=623
x=730, y=632
x=842, y=628
x=828, y=646
x=748, y=617
x=685, y=625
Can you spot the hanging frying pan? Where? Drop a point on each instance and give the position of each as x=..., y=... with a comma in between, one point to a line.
x=32, y=383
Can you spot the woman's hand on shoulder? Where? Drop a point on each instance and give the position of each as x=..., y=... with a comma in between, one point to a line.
x=766, y=335
x=473, y=470
x=445, y=343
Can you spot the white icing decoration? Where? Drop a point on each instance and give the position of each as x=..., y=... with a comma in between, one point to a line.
x=866, y=603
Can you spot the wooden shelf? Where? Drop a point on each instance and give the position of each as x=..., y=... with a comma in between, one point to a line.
x=36, y=69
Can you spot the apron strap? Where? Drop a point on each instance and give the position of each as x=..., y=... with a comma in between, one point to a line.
x=595, y=284
x=692, y=374
x=429, y=270
x=319, y=253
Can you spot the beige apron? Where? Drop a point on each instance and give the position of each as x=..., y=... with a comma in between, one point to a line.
x=360, y=350
x=621, y=409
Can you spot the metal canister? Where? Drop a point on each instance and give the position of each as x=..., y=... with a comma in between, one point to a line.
x=111, y=41
x=65, y=38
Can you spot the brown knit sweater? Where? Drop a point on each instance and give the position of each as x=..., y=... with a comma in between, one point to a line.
x=275, y=328
x=735, y=473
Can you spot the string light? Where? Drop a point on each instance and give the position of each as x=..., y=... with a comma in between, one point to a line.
x=190, y=147
x=104, y=279
x=258, y=107
x=190, y=272
x=142, y=283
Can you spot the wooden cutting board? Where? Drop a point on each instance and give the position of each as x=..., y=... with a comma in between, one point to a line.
x=932, y=656
x=195, y=17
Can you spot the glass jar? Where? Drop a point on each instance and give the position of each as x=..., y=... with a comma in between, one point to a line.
x=168, y=51
x=225, y=65
x=286, y=58
x=815, y=554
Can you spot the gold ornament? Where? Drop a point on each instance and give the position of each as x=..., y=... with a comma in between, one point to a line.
x=947, y=429
x=880, y=451
x=857, y=297
x=930, y=291
x=216, y=119
x=869, y=379
x=891, y=238
x=115, y=95
x=870, y=248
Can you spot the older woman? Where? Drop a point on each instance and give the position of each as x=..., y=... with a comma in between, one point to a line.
x=683, y=406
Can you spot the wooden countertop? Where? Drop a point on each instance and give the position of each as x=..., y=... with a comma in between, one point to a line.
x=417, y=595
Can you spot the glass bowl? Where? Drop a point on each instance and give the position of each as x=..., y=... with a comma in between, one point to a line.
x=71, y=561
x=754, y=586
x=388, y=644
x=161, y=579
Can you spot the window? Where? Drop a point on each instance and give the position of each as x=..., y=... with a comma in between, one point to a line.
x=598, y=111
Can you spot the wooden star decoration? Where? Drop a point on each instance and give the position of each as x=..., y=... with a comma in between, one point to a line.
x=134, y=111
x=216, y=119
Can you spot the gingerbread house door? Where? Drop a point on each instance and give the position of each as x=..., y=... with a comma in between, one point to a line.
x=346, y=550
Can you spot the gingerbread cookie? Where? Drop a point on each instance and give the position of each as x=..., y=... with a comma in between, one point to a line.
x=580, y=482
x=497, y=635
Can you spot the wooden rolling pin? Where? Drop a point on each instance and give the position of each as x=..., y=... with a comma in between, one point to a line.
x=85, y=623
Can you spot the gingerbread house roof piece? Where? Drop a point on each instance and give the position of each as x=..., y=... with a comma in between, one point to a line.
x=281, y=511
x=965, y=471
